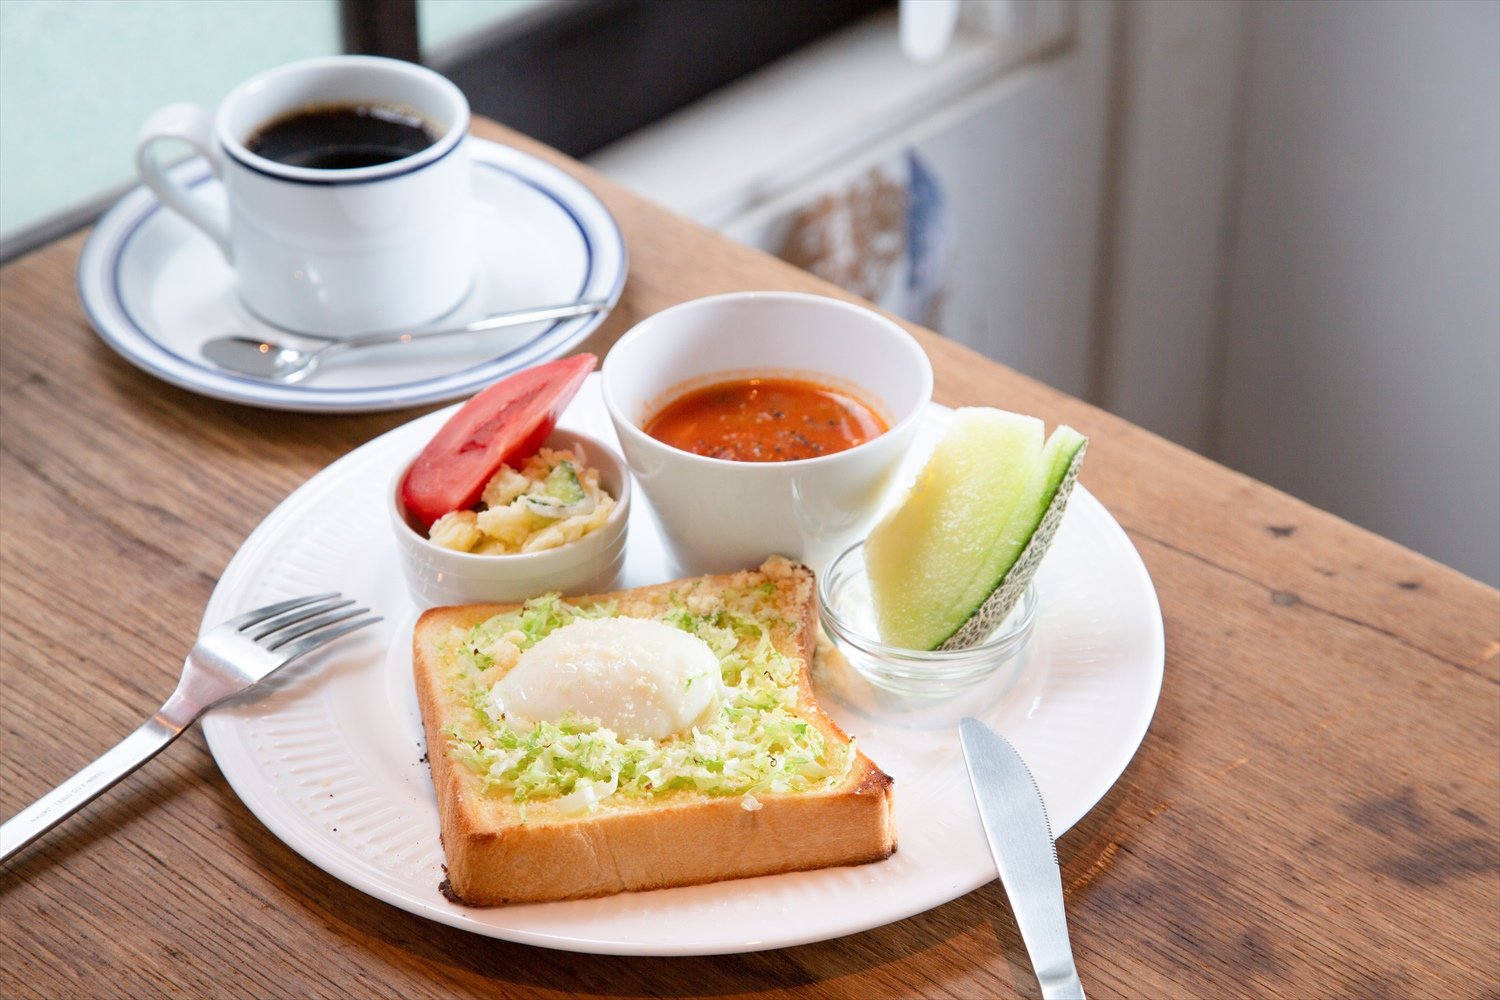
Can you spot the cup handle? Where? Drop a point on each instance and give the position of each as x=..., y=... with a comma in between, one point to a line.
x=193, y=125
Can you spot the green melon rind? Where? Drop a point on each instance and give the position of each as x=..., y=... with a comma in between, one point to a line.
x=1009, y=588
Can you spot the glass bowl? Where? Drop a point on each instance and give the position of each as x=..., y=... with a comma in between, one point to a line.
x=849, y=619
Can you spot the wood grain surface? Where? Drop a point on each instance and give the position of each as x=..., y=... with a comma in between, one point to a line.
x=1314, y=812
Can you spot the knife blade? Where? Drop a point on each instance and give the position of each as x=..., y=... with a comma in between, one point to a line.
x=1020, y=835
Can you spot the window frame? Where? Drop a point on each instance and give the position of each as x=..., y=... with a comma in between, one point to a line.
x=573, y=74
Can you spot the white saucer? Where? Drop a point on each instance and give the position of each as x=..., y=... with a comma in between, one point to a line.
x=156, y=289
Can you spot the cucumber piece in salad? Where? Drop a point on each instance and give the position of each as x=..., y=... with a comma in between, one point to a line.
x=562, y=495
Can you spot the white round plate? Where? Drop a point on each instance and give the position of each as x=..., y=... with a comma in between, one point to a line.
x=331, y=758
x=156, y=288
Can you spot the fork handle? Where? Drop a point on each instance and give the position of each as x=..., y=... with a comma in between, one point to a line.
x=146, y=742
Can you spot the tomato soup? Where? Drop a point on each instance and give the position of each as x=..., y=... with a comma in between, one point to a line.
x=765, y=420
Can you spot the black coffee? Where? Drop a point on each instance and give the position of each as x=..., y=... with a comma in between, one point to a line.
x=342, y=137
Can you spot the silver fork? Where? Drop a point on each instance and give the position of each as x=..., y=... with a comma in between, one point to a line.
x=229, y=659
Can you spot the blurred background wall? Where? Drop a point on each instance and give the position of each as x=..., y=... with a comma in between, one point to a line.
x=1360, y=365
x=1269, y=231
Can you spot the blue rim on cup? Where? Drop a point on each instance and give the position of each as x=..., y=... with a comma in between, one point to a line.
x=848, y=618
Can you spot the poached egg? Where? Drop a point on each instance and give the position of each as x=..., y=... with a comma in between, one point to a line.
x=641, y=678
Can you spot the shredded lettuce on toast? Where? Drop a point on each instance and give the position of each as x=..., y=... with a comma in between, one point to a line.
x=758, y=743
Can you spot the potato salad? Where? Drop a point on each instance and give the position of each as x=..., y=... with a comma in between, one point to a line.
x=553, y=499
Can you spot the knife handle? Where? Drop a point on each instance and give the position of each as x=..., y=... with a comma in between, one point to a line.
x=1043, y=924
x=1060, y=984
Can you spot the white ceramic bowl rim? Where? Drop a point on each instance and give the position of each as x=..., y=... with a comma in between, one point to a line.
x=734, y=466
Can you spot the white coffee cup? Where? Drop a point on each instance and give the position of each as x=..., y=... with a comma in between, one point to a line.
x=331, y=252
x=718, y=516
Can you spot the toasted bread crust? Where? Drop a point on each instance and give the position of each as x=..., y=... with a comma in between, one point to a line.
x=682, y=838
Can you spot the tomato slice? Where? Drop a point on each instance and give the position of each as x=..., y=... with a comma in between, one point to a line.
x=504, y=424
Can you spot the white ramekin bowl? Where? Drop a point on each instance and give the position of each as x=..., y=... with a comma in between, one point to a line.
x=439, y=576
x=718, y=515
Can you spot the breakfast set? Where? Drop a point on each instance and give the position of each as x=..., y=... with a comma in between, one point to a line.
x=729, y=623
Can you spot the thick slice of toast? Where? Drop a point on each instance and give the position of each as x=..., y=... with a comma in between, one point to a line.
x=820, y=803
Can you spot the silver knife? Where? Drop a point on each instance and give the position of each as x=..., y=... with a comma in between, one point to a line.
x=1020, y=836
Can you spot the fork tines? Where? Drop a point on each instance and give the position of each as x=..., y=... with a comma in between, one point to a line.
x=297, y=622
x=272, y=610
x=314, y=620
x=327, y=634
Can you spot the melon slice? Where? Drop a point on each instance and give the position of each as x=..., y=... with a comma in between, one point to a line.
x=950, y=561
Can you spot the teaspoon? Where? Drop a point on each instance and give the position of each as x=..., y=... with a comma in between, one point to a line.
x=287, y=365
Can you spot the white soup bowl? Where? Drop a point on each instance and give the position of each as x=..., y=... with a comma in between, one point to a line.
x=718, y=515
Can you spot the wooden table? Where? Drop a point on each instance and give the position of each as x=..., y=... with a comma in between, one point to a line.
x=1315, y=810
